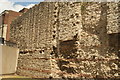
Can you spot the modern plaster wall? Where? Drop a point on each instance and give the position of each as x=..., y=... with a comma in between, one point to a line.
x=8, y=59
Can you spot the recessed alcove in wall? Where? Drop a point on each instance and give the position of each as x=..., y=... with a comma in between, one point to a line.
x=68, y=48
x=114, y=40
x=114, y=43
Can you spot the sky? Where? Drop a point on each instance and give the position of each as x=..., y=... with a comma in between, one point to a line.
x=17, y=5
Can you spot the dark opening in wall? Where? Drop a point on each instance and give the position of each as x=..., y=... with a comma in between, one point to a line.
x=54, y=36
x=54, y=31
x=54, y=51
x=40, y=51
x=43, y=50
x=55, y=15
x=55, y=8
x=54, y=48
x=54, y=12
x=68, y=48
x=114, y=43
x=114, y=40
x=77, y=15
x=77, y=22
x=92, y=16
x=74, y=24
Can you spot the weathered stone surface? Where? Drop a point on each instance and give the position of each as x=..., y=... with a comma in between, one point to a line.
x=113, y=18
x=72, y=36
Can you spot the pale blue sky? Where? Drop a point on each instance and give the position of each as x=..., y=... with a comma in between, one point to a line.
x=26, y=2
x=17, y=5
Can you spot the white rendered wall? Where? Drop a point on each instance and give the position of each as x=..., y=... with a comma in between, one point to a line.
x=8, y=59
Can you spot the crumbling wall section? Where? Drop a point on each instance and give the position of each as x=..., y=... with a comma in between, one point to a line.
x=67, y=24
x=33, y=34
x=31, y=26
x=86, y=51
x=65, y=39
x=83, y=43
x=94, y=42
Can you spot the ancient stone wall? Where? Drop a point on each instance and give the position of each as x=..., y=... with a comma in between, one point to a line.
x=34, y=36
x=37, y=19
x=68, y=24
x=89, y=46
x=65, y=39
x=113, y=18
x=94, y=41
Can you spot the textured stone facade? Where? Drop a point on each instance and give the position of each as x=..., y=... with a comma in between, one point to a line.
x=67, y=39
x=113, y=18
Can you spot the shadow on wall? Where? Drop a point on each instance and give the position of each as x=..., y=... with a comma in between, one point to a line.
x=108, y=43
x=67, y=50
x=114, y=43
x=100, y=30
